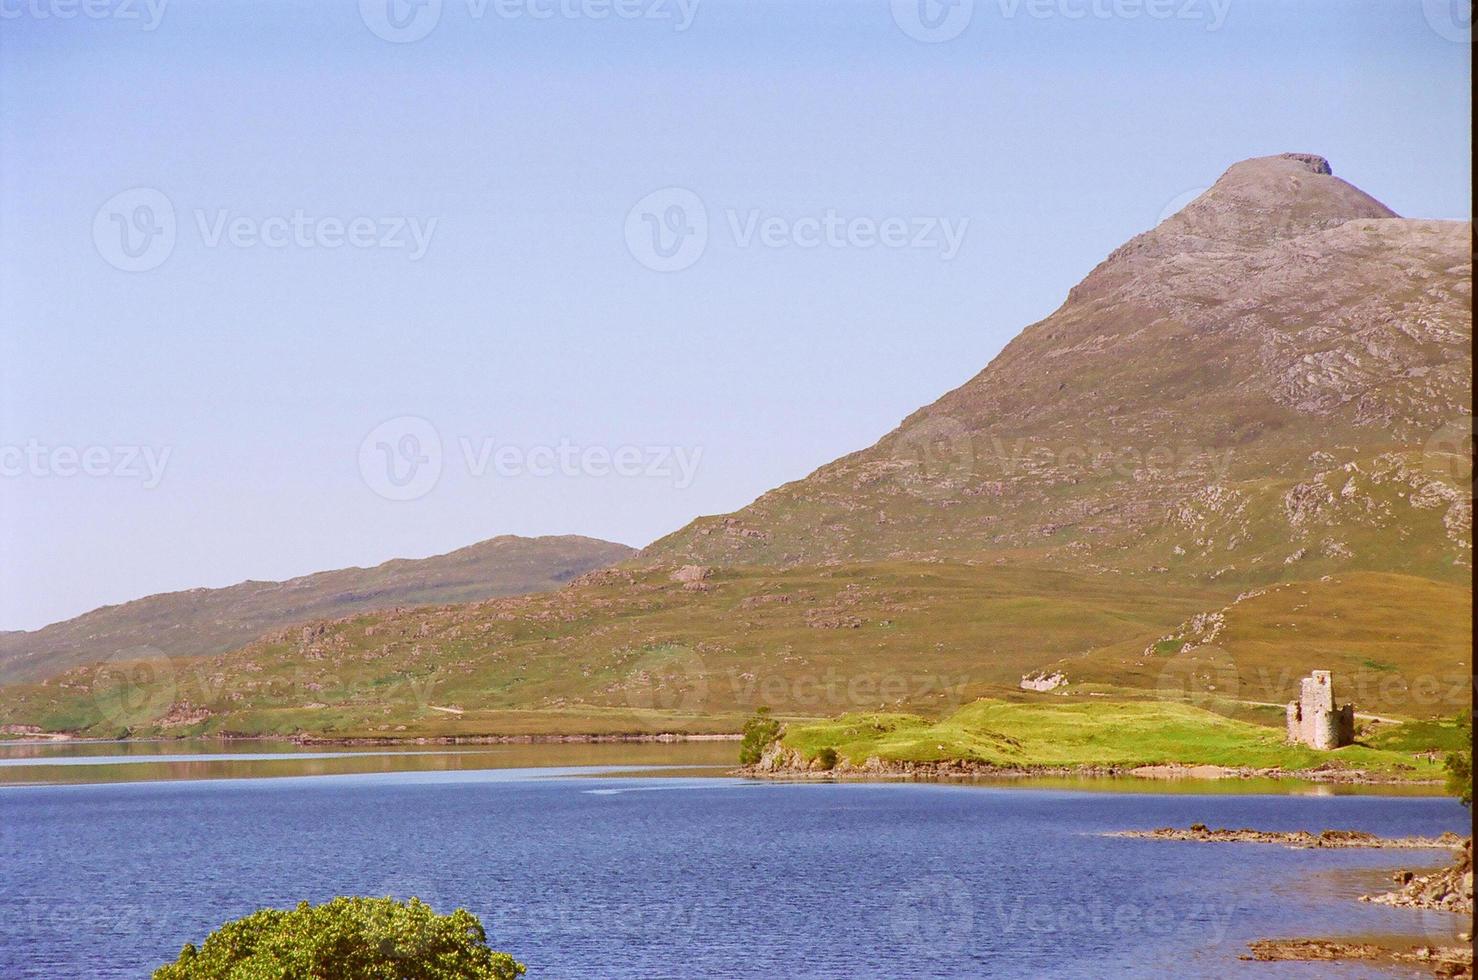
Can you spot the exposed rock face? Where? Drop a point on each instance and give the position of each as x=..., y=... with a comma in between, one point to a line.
x=1043, y=682
x=692, y=577
x=1278, y=370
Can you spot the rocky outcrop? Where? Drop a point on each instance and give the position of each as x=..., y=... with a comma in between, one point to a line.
x=1043, y=682
x=183, y=713
x=1448, y=890
x=1445, y=961
x=1199, y=832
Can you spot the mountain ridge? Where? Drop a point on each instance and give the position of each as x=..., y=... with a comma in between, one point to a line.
x=202, y=621
x=1282, y=314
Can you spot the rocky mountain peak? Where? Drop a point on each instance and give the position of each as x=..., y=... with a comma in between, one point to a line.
x=1284, y=335
x=1315, y=163
x=1266, y=199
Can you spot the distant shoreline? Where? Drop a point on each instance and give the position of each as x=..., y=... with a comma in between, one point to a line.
x=53, y=738
x=967, y=770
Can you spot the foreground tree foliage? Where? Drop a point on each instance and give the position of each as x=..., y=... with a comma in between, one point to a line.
x=1459, y=766
x=346, y=939
x=759, y=732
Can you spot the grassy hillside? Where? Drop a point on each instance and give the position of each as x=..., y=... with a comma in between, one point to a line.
x=1121, y=734
x=650, y=650
x=206, y=621
x=631, y=650
x=1397, y=644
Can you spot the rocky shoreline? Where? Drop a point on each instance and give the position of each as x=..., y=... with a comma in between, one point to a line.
x=779, y=762
x=1200, y=833
x=1447, y=890
x=665, y=737
x=1445, y=961
x=309, y=739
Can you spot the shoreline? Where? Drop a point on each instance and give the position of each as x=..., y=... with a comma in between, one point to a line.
x=1199, y=833
x=784, y=763
x=1444, y=890
x=542, y=739
x=54, y=738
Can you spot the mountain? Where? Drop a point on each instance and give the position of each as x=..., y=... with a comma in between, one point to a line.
x=1275, y=381
x=206, y=621
x=1240, y=450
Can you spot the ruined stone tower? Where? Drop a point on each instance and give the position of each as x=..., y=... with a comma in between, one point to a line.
x=1313, y=719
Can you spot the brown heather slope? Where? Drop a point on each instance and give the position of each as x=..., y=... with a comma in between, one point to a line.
x=1273, y=383
x=198, y=622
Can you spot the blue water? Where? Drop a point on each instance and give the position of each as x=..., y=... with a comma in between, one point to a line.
x=617, y=877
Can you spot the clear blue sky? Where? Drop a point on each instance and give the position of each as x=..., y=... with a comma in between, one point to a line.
x=528, y=320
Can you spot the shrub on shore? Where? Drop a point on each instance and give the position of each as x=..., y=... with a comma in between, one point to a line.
x=760, y=731
x=1459, y=765
x=346, y=939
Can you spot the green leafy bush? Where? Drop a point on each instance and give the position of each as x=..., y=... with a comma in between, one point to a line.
x=346, y=939
x=1459, y=765
x=827, y=758
x=759, y=732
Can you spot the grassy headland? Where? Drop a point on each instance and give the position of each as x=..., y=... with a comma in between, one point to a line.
x=1100, y=735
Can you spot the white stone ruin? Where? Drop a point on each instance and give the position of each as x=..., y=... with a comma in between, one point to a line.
x=1313, y=719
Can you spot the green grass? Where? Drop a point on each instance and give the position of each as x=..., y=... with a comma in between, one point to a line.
x=1115, y=733
x=1420, y=736
x=1398, y=645
x=634, y=652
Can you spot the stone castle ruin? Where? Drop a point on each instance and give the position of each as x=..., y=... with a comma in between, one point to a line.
x=1313, y=719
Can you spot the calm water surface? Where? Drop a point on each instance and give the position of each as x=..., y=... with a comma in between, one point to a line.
x=581, y=873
